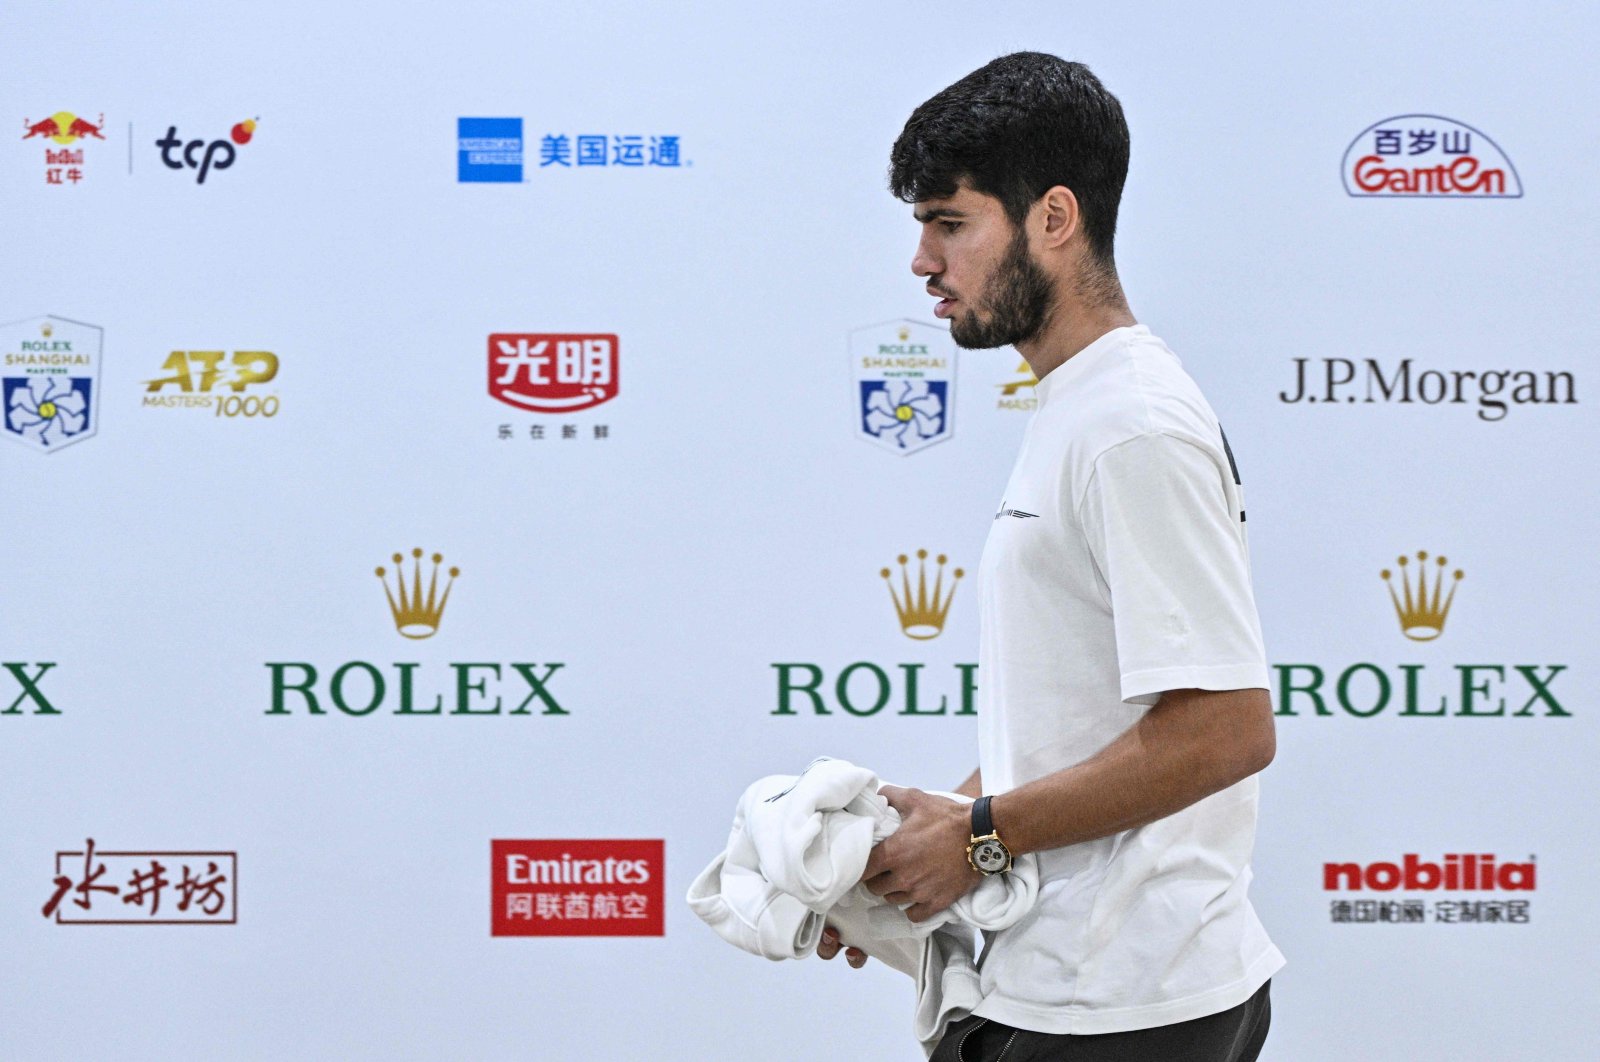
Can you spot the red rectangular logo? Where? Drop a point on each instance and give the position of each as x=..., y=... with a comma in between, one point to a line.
x=553, y=373
x=577, y=888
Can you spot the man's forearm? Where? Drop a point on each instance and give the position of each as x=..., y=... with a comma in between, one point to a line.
x=1190, y=745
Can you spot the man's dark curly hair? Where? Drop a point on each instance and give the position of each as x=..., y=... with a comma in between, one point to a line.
x=1014, y=129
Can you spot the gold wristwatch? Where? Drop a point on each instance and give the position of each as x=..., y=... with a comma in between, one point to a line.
x=986, y=852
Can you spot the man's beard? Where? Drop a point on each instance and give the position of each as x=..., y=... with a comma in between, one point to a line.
x=1014, y=307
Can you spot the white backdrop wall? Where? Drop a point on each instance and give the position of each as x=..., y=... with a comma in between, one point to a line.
x=732, y=515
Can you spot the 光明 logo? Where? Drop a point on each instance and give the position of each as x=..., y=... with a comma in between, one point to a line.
x=416, y=616
x=553, y=373
x=489, y=150
x=922, y=612
x=48, y=381
x=201, y=156
x=903, y=385
x=1422, y=610
x=1421, y=155
x=63, y=164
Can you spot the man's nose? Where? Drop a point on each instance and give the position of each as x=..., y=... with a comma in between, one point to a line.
x=924, y=263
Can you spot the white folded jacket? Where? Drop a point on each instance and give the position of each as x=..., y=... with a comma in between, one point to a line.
x=794, y=860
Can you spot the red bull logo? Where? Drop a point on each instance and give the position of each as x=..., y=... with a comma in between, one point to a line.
x=64, y=127
x=63, y=164
x=201, y=156
x=1426, y=155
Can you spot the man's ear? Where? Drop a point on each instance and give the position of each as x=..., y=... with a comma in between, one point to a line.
x=1059, y=217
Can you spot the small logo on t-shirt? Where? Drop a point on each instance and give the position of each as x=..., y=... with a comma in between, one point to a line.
x=1018, y=513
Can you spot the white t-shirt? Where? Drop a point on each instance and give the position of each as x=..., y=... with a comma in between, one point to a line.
x=1116, y=569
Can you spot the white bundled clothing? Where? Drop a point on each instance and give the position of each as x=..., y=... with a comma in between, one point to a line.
x=794, y=861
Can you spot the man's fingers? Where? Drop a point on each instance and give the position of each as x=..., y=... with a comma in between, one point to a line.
x=879, y=885
x=876, y=860
x=828, y=946
x=855, y=957
x=899, y=798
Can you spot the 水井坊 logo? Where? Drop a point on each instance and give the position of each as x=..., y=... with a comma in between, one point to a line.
x=48, y=372
x=903, y=384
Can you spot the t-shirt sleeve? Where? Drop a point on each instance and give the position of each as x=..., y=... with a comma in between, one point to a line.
x=1171, y=554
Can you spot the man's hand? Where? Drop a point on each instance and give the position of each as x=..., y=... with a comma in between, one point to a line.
x=829, y=946
x=924, y=862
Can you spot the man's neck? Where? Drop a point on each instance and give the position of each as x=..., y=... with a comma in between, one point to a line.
x=1073, y=326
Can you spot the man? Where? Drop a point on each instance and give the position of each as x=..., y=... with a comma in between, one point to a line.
x=1124, y=706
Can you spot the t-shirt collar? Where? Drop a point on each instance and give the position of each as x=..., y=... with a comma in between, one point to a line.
x=1062, y=375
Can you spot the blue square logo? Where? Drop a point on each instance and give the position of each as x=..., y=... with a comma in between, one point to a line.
x=489, y=150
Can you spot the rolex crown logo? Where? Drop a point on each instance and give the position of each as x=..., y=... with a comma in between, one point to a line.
x=904, y=333
x=922, y=614
x=1422, y=608
x=47, y=330
x=414, y=615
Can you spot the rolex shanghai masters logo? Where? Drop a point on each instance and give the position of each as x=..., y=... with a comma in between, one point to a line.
x=903, y=381
x=49, y=372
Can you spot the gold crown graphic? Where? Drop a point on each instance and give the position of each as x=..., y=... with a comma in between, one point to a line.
x=47, y=330
x=904, y=333
x=1422, y=612
x=922, y=616
x=415, y=617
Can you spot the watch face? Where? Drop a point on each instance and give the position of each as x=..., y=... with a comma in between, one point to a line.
x=990, y=856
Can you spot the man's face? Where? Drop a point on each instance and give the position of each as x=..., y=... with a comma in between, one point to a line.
x=978, y=263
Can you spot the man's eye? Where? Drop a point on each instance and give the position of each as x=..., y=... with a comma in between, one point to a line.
x=950, y=226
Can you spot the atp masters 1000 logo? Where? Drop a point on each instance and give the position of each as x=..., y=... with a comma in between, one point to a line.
x=228, y=385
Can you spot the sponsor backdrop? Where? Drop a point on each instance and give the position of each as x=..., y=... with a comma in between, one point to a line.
x=449, y=452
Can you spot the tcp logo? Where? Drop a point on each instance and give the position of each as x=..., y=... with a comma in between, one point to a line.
x=1427, y=156
x=202, y=156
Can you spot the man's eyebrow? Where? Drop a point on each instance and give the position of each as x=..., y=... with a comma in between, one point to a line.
x=926, y=216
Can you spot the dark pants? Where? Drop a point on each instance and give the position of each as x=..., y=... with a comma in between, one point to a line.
x=1232, y=1036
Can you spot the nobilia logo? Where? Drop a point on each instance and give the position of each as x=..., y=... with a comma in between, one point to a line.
x=1427, y=155
x=1454, y=872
